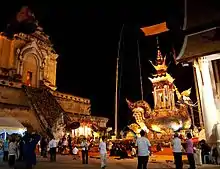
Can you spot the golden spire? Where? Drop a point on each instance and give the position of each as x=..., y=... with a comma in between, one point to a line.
x=160, y=66
x=159, y=55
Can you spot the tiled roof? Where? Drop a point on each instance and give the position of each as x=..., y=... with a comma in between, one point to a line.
x=200, y=25
x=200, y=44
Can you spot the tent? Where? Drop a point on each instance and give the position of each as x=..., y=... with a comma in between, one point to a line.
x=11, y=125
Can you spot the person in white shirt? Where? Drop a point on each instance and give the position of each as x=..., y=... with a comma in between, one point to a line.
x=177, y=151
x=85, y=148
x=52, y=147
x=143, y=146
x=12, y=152
x=103, y=152
x=75, y=153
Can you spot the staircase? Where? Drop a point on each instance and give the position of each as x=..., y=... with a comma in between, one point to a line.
x=47, y=109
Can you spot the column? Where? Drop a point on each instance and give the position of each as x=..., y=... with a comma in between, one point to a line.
x=210, y=113
x=173, y=100
x=198, y=98
x=164, y=99
x=155, y=98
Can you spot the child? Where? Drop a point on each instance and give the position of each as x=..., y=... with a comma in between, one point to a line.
x=75, y=153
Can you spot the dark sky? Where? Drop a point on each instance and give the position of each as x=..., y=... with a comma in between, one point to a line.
x=86, y=38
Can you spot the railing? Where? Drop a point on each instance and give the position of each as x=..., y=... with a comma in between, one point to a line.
x=34, y=106
x=47, y=109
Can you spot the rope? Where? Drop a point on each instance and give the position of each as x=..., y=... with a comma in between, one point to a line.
x=140, y=71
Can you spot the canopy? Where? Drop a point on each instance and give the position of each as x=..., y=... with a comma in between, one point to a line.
x=10, y=123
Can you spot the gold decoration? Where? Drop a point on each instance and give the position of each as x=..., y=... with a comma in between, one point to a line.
x=166, y=116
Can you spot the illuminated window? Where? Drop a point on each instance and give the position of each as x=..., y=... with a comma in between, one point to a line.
x=29, y=78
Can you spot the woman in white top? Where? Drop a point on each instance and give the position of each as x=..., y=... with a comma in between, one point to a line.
x=12, y=152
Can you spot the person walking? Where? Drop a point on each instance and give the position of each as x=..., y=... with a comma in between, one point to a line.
x=103, y=152
x=43, y=145
x=190, y=151
x=53, y=147
x=177, y=151
x=143, y=145
x=85, y=148
x=5, y=148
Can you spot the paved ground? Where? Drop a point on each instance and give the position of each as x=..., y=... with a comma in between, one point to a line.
x=66, y=162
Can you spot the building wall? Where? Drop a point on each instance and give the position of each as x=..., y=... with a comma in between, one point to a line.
x=210, y=110
x=74, y=107
x=14, y=96
x=5, y=52
x=73, y=104
x=19, y=54
x=25, y=116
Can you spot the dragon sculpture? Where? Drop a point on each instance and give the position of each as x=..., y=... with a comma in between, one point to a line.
x=162, y=121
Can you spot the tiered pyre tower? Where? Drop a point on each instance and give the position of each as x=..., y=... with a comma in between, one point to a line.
x=166, y=116
x=163, y=87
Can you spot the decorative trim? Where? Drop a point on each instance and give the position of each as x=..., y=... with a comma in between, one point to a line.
x=70, y=97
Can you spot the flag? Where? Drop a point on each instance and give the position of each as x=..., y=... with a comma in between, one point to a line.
x=24, y=14
x=155, y=29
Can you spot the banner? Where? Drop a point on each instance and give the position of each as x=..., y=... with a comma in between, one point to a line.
x=155, y=29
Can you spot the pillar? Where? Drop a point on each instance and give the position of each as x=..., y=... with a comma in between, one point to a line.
x=164, y=99
x=210, y=113
x=173, y=101
x=155, y=98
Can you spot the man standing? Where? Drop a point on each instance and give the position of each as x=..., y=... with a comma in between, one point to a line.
x=177, y=151
x=52, y=146
x=85, y=148
x=143, y=145
x=5, y=148
x=103, y=152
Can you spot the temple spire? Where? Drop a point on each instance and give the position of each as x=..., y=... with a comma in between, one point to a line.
x=160, y=65
x=160, y=58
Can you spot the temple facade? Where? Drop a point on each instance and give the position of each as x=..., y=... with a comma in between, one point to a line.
x=28, y=92
x=201, y=47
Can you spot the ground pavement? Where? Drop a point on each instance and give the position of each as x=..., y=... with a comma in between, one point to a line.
x=66, y=162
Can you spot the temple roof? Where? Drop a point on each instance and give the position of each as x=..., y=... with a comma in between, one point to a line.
x=201, y=12
x=202, y=32
x=200, y=44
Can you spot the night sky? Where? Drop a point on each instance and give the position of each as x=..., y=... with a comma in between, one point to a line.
x=86, y=38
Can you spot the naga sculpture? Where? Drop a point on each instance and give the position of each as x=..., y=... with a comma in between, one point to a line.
x=167, y=116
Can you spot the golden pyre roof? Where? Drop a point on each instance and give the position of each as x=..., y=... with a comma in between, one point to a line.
x=160, y=65
x=161, y=68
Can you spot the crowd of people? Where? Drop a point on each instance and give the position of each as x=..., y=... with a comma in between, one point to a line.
x=199, y=153
x=20, y=150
